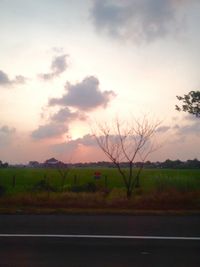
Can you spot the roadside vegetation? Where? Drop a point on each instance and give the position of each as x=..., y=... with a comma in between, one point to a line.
x=160, y=189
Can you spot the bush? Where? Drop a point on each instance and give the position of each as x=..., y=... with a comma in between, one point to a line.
x=43, y=185
x=89, y=187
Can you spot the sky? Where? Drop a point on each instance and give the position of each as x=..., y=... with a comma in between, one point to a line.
x=65, y=65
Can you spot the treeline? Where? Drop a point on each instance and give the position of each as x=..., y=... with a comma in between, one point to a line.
x=3, y=165
x=167, y=164
x=178, y=164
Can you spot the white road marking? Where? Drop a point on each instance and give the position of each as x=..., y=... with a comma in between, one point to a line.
x=104, y=236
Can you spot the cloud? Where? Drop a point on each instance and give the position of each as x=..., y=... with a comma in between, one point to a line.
x=191, y=118
x=58, y=124
x=58, y=66
x=7, y=130
x=6, y=134
x=50, y=130
x=65, y=115
x=163, y=129
x=85, y=95
x=138, y=20
x=86, y=140
x=6, y=81
x=20, y=79
x=193, y=128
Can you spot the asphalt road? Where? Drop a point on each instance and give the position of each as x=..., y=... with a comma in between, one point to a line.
x=61, y=250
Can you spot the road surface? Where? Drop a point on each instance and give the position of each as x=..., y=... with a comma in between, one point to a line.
x=106, y=241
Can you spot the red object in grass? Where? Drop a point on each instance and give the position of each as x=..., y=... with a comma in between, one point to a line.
x=97, y=175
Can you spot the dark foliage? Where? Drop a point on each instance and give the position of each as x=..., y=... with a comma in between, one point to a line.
x=191, y=103
x=89, y=187
x=43, y=185
x=2, y=190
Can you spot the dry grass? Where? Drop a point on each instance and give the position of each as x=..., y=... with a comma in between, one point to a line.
x=169, y=199
x=116, y=200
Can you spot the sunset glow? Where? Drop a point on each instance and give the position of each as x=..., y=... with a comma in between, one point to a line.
x=66, y=64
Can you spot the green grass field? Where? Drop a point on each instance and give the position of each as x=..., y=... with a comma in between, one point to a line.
x=161, y=189
x=159, y=179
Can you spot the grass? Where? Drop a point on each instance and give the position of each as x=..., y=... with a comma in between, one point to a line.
x=26, y=178
x=161, y=189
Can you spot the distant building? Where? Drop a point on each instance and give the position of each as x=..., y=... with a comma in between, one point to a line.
x=53, y=163
x=34, y=164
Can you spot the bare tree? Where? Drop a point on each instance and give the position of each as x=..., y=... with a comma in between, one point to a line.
x=127, y=143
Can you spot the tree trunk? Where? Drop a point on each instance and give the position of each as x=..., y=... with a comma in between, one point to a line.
x=128, y=193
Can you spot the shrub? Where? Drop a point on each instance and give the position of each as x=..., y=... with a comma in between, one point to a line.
x=77, y=188
x=89, y=187
x=43, y=185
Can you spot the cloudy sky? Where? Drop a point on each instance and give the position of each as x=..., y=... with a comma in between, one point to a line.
x=65, y=64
